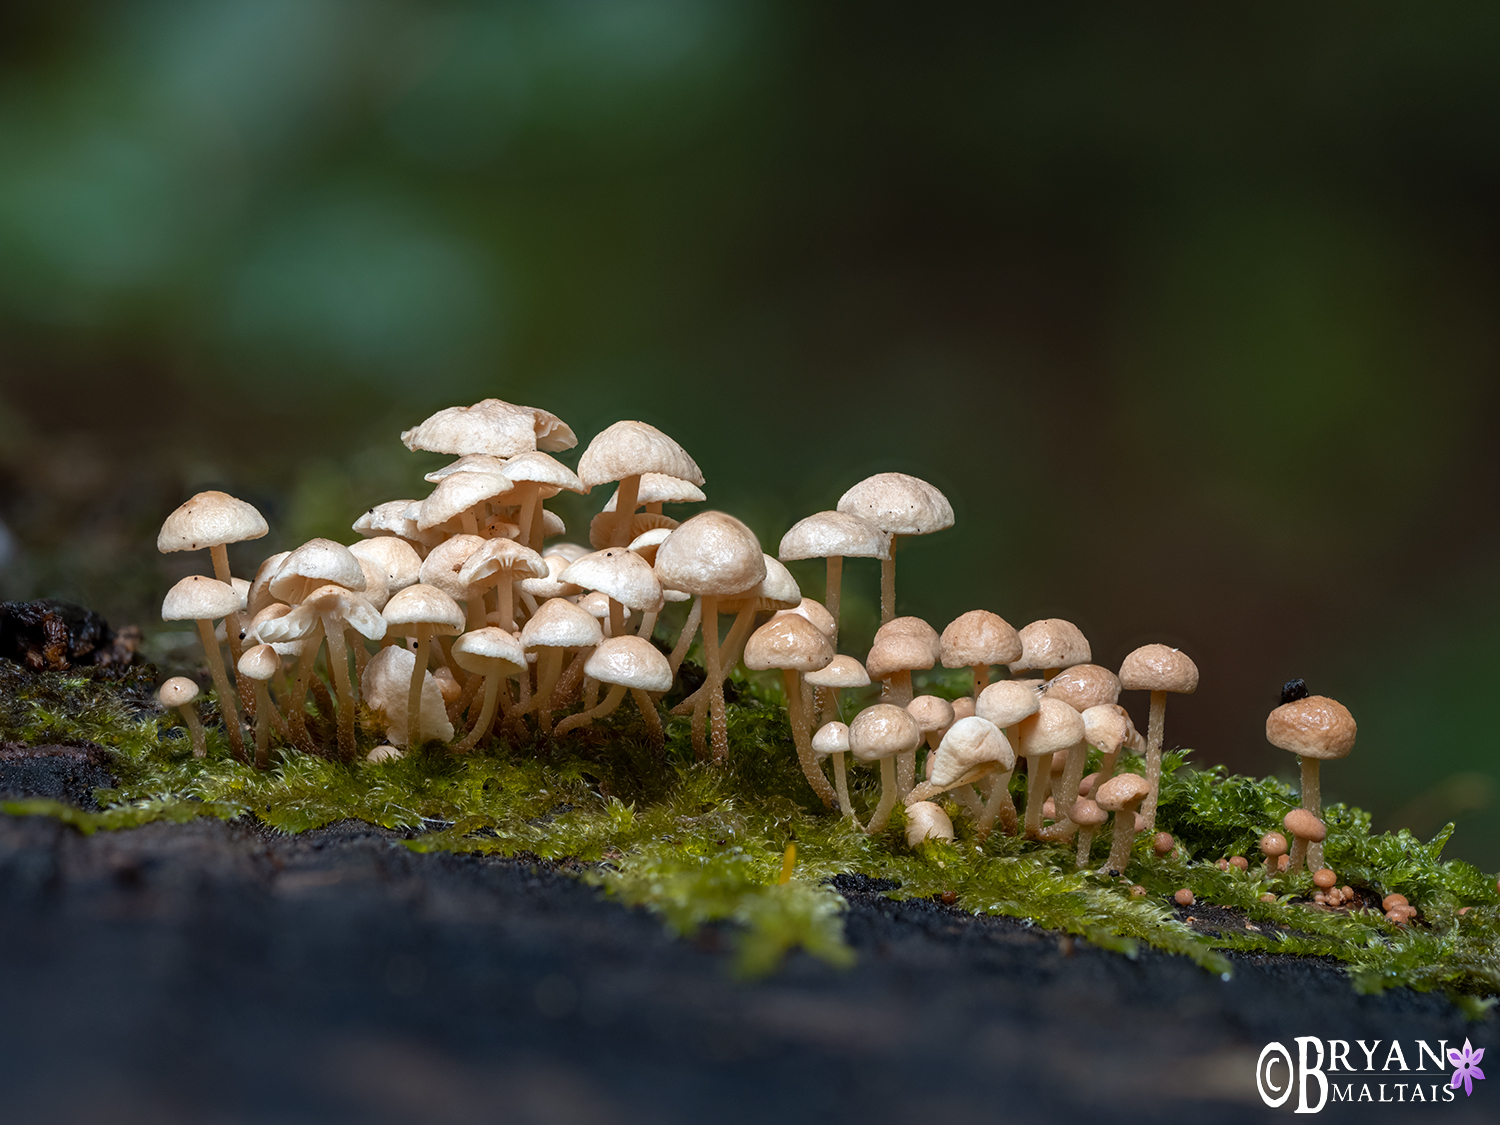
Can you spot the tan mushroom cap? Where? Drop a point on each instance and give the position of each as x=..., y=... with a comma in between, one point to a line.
x=898, y=504
x=444, y=564
x=931, y=712
x=1051, y=643
x=817, y=613
x=316, y=563
x=179, y=691
x=840, y=672
x=397, y=559
x=1159, y=668
x=1083, y=686
x=831, y=738
x=1006, y=702
x=537, y=467
x=199, y=598
x=502, y=557
x=632, y=448
x=713, y=554
x=558, y=623
x=552, y=585
x=489, y=651
x=903, y=644
x=963, y=707
x=1305, y=826
x=1054, y=727
x=969, y=745
x=459, y=493
x=883, y=731
x=259, y=663
x=824, y=535
x=1315, y=727
x=275, y=611
x=788, y=642
x=491, y=426
x=210, y=519
x=422, y=604
x=927, y=821
x=631, y=661
x=979, y=637
x=1107, y=727
x=659, y=488
x=1120, y=791
x=1087, y=813
x=620, y=574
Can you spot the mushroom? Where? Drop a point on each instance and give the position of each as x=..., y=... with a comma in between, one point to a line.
x=462, y=497
x=397, y=560
x=794, y=645
x=1159, y=670
x=557, y=625
x=1049, y=646
x=1088, y=816
x=878, y=734
x=420, y=611
x=181, y=693
x=390, y=520
x=500, y=429
x=1054, y=727
x=976, y=640
x=1308, y=830
x=258, y=664
x=834, y=536
x=1107, y=728
x=1122, y=795
x=492, y=653
x=625, y=663
x=710, y=556
x=202, y=600
x=926, y=821
x=971, y=749
x=500, y=563
x=1081, y=687
x=1273, y=846
x=624, y=452
x=832, y=741
x=625, y=578
x=933, y=715
x=898, y=505
x=1005, y=704
x=1316, y=729
x=386, y=688
x=840, y=672
x=537, y=477
x=901, y=646
x=657, y=489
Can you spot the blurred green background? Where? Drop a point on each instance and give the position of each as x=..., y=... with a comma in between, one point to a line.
x=1191, y=312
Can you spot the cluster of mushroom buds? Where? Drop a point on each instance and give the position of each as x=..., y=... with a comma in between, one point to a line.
x=453, y=618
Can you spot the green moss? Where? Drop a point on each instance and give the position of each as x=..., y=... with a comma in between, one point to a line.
x=700, y=844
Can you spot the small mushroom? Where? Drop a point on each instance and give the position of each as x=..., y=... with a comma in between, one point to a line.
x=794, y=645
x=1315, y=728
x=1089, y=817
x=1049, y=646
x=1159, y=670
x=834, y=536
x=832, y=741
x=970, y=750
x=1273, y=846
x=899, y=505
x=976, y=640
x=493, y=653
x=421, y=611
x=1054, y=727
x=878, y=734
x=625, y=663
x=203, y=600
x=902, y=646
x=841, y=672
x=386, y=689
x=1162, y=844
x=1184, y=897
x=1005, y=704
x=258, y=664
x=625, y=452
x=1325, y=878
x=557, y=627
x=927, y=821
x=1122, y=795
x=1307, y=829
x=181, y=693
x=934, y=715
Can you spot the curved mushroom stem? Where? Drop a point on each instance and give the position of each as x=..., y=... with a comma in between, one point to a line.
x=1066, y=791
x=1153, y=757
x=654, y=733
x=1119, y=852
x=263, y=709
x=802, y=739
x=189, y=715
x=549, y=669
x=465, y=701
x=528, y=499
x=729, y=655
x=718, y=718
x=882, y=814
x=486, y=714
x=414, y=693
x=610, y=701
x=998, y=806
x=567, y=687
x=685, y=638
x=1038, y=782
x=338, y=664
x=232, y=625
x=625, y=506
x=968, y=800
x=888, y=584
x=841, y=784
x=221, y=685
x=296, y=702
x=1312, y=801
x=833, y=590
x=648, y=624
x=1085, y=845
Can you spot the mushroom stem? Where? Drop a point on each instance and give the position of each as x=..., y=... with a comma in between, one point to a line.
x=566, y=689
x=583, y=718
x=1153, y=756
x=625, y=506
x=802, y=738
x=1085, y=845
x=296, y=706
x=361, y=656
x=981, y=679
x=648, y=624
x=1066, y=792
x=1119, y=852
x=232, y=626
x=998, y=806
x=685, y=638
x=1038, y=779
x=263, y=709
x=882, y=814
x=616, y=619
x=841, y=784
x=969, y=801
x=729, y=655
x=528, y=510
x=338, y=664
x=465, y=700
x=414, y=693
x=654, y=733
x=189, y=715
x=833, y=590
x=486, y=714
x=1298, y=854
x=888, y=584
x=505, y=597
x=1312, y=801
x=718, y=719
x=549, y=668
x=221, y=685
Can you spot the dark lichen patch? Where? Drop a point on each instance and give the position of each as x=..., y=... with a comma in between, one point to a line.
x=706, y=846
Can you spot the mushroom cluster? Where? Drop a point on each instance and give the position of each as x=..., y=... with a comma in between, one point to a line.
x=463, y=616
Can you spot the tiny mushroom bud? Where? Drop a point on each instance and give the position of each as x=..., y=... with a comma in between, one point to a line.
x=1137, y=891
x=1162, y=843
x=181, y=693
x=1307, y=829
x=1268, y=897
x=1239, y=863
x=927, y=821
x=1393, y=900
x=1325, y=878
x=1273, y=846
x=1184, y=897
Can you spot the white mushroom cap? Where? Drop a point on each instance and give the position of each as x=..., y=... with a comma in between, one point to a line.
x=1006, y=702
x=260, y=589
x=570, y=551
x=468, y=463
x=259, y=663
x=776, y=591
x=489, y=652
x=926, y=821
x=712, y=554
x=1054, y=727
x=1121, y=791
x=788, y=642
x=620, y=574
x=199, y=598
x=979, y=637
x=832, y=738
x=423, y=605
x=631, y=448
x=315, y=563
x=490, y=426
x=179, y=691
x=646, y=542
x=444, y=564
x=898, y=504
x=210, y=519
x=376, y=591
x=275, y=611
x=815, y=612
x=552, y=585
x=1051, y=643
x=970, y=745
x=385, y=687
x=825, y=535
x=1083, y=686
x=558, y=623
x=1107, y=727
x=904, y=644
x=658, y=488
x=596, y=603
x=631, y=661
x=883, y=731
x=393, y=518
x=395, y=557
x=603, y=527
x=504, y=557
x=353, y=609
x=840, y=672
x=459, y=493
x=1159, y=668
x=539, y=468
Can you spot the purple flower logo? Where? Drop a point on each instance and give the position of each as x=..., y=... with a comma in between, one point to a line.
x=1467, y=1064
